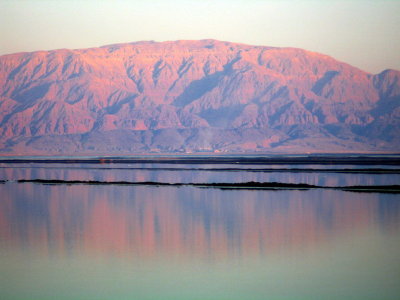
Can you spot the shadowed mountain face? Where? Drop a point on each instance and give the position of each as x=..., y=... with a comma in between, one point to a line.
x=189, y=96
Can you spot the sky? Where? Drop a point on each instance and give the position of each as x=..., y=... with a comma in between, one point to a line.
x=363, y=33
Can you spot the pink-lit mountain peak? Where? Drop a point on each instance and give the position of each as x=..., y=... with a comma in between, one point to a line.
x=202, y=95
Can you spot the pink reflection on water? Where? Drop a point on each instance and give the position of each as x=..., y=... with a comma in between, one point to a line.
x=146, y=222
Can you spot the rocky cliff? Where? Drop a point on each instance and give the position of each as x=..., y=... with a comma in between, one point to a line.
x=191, y=96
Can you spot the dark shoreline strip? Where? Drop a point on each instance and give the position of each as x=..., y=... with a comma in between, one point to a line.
x=251, y=170
x=250, y=184
x=242, y=185
x=257, y=160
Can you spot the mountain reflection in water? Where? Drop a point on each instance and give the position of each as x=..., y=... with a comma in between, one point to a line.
x=145, y=222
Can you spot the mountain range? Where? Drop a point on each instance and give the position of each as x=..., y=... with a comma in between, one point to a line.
x=193, y=96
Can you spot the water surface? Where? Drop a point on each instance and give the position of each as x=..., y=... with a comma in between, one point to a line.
x=148, y=242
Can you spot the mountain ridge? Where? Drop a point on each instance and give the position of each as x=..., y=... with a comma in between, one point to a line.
x=193, y=96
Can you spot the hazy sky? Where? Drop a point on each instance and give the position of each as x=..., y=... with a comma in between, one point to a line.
x=364, y=33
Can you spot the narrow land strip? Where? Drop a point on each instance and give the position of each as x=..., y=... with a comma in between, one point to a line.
x=241, y=185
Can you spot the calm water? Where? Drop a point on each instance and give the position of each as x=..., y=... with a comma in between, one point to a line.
x=146, y=242
x=188, y=173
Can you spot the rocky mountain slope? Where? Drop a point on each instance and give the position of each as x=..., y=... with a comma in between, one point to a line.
x=191, y=96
